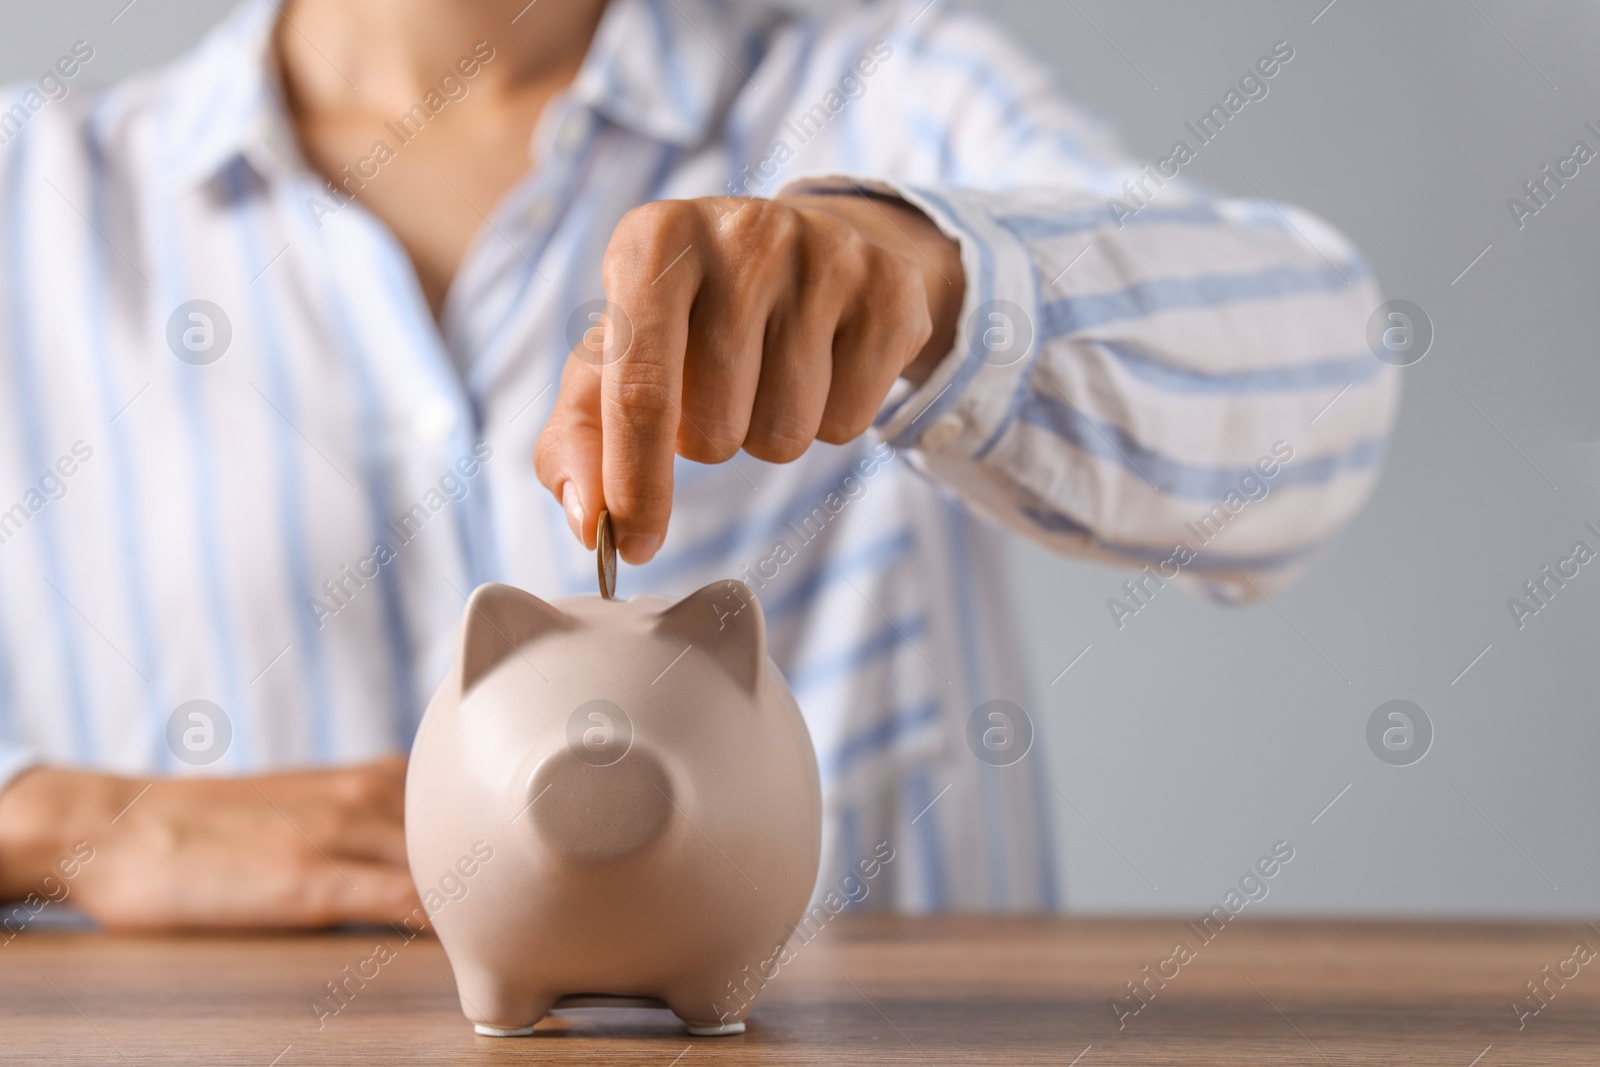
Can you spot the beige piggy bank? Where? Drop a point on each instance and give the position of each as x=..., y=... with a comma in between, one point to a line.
x=612, y=803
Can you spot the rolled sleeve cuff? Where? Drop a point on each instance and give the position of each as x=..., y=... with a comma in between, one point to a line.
x=972, y=392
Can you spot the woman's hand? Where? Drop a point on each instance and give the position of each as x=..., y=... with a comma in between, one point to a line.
x=302, y=849
x=731, y=324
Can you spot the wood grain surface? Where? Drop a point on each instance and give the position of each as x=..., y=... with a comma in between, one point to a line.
x=953, y=990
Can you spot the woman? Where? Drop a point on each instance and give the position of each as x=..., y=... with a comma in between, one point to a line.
x=365, y=302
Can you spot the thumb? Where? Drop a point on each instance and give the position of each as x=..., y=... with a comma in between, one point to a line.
x=567, y=456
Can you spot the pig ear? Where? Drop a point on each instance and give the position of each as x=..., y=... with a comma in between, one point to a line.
x=499, y=620
x=724, y=621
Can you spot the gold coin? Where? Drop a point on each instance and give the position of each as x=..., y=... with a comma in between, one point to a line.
x=605, y=556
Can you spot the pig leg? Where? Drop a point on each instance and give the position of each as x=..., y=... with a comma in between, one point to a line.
x=494, y=1031
x=706, y=1011
x=498, y=1008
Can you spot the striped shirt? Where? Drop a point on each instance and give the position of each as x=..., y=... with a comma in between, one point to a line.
x=241, y=462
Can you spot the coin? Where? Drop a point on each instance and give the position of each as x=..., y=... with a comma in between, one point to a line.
x=605, y=556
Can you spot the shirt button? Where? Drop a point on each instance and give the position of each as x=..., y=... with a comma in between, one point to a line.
x=539, y=213
x=943, y=430
x=433, y=419
x=573, y=129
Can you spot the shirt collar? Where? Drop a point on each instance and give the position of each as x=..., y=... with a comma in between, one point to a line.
x=663, y=68
x=668, y=68
x=225, y=102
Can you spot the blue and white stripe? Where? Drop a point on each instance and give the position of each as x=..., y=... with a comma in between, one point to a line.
x=1170, y=354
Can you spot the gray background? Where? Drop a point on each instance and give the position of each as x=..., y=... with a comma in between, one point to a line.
x=1192, y=739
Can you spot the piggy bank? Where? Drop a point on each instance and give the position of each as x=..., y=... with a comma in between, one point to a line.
x=612, y=803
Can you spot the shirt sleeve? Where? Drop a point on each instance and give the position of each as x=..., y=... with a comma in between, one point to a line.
x=1144, y=372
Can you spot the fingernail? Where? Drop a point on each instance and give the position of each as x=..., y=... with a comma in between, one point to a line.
x=638, y=548
x=574, y=509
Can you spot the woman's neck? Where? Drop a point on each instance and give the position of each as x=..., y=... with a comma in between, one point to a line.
x=424, y=110
x=383, y=55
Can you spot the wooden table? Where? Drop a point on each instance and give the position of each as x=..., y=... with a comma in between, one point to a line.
x=867, y=990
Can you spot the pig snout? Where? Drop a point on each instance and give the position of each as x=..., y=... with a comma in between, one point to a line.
x=602, y=813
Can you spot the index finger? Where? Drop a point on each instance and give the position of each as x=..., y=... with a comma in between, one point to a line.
x=651, y=273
